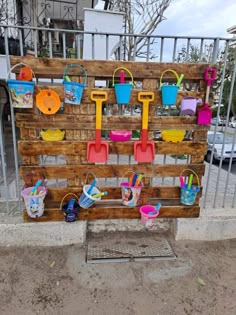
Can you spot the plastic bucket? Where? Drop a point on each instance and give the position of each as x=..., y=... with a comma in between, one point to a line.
x=21, y=93
x=34, y=203
x=148, y=215
x=169, y=94
x=73, y=91
x=86, y=200
x=188, y=196
x=130, y=194
x=188, y=192
x=123, y=90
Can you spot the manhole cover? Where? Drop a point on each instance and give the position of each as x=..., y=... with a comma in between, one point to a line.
x=129, y=250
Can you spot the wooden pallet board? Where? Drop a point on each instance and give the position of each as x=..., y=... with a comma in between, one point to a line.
x=79, y=125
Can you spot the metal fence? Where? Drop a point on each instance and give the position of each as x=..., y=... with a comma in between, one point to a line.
x=219, y=182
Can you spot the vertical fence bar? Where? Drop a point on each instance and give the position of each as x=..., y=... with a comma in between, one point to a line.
x=174, y=49
x=161, y=49
x=135, y=48
x=148, y=48
x=21, y=42
x=35, y=43
x=78, y=48
x=50, y=44
x=3, y=160
x=188, y=47
x=107, y=47
x=12, y=121
x=215, y=50
x=93, y=47
x=64, y=45
x=201, y=49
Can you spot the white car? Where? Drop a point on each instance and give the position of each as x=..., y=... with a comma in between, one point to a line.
x=215, y=144
x=232, y=124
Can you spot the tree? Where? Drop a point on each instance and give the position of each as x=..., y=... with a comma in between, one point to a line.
x=141, y=17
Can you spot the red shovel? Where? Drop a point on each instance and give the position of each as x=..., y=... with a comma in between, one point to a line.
x=144, y=150
x=97, y=151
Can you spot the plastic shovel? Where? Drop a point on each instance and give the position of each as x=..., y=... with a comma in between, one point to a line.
x=209, y=76
x=97, y=151
x=144, y=150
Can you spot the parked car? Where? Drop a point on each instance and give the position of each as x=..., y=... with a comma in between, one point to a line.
x=232, y=124
x=217, y=148
x=221, y=121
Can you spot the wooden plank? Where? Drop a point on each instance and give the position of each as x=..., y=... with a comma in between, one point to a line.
x=148, y=194
x=98, y=213
x=54, y=68
x=111, y=95
x=40, y=147
x=111, y=171
x=87, y=122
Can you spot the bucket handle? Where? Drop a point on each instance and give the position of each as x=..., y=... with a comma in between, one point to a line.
x=169, y=70
x=89, y=172
x=122, y=68
x=188, y=169
x=127, y=172
x=72, y=194
x=76, y=66
x=17, y=65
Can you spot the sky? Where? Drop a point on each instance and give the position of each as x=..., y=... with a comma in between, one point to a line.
x=197, y=18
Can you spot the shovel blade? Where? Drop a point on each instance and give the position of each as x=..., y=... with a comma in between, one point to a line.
x=144, y=156
x=97, y=156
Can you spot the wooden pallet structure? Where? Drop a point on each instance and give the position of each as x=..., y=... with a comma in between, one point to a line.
x=78, y=121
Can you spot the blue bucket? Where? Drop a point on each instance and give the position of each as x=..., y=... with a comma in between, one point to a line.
x=169, y=94
x=123, y=92
x=21, y=93
x=188, y=195
x=86, y=200
x=122, y=89
x=73, y=91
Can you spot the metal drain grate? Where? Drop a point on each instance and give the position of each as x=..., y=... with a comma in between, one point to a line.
x=125, y=250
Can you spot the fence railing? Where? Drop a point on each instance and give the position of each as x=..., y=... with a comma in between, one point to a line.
x=220, y=178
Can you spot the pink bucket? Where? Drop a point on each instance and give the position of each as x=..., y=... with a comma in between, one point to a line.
x=130, y=194
x=148, y=215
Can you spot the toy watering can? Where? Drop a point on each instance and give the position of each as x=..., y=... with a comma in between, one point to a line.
x=188, y=105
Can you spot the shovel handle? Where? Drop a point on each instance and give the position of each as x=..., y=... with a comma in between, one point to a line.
x=97, y=140
x=210, y=75
x=145, y=98
x=98, y=95
x=144, y=140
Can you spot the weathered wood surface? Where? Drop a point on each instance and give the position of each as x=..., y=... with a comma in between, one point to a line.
x=54, y=68
x=79, y=125
x=40, y=147
x=117, y=212
x=111, y=171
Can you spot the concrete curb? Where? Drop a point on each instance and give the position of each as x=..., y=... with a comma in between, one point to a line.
x=205, y=229
x=43, y=234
